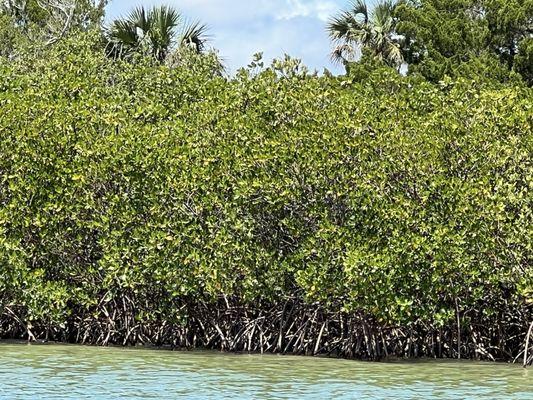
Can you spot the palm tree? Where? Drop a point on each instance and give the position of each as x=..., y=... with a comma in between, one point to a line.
x=372, y=31
x=156, y=32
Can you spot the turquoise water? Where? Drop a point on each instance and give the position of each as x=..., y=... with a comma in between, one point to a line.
x=76, y=372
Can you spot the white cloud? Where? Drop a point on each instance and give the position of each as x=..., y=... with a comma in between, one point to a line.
x=314, y=9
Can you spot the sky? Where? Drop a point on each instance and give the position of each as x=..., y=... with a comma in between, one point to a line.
x=241, y=28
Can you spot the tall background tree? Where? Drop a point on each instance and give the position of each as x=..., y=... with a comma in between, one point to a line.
x=372, y=31
x=475, y=37
x=492, y=39
x=156, y=32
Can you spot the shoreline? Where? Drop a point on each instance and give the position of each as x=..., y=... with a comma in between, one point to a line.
x=305, y=331
x=202, y=351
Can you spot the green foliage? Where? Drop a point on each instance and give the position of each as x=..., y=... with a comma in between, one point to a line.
x=388, y=195
x=26, y=24
x=366, y=67
x=9, y=36
x=509, y=22
x=45, y=13
x=449, y=37
x=524, y=60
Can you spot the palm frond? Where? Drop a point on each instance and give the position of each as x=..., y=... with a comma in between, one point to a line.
x=360, y=10
x=383, y=13
x=124, y=32
x=342, y=26
x=343, y=53
x=195, y=35
x=165, y=20
x=138, y=17
x=393, y=54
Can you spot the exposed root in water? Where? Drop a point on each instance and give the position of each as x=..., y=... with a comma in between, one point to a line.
x=288, y=327
x=27, y=326
x=528, y=361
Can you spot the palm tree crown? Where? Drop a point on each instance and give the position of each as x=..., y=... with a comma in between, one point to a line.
x=371, y=30
x=156, y=32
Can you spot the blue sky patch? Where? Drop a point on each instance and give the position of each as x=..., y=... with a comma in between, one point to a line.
x=240, y=28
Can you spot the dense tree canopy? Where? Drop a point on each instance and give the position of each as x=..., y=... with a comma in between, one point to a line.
x=150, y=201
x=458, y=37
x=142, y=191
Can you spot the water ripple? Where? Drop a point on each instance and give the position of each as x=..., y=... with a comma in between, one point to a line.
x=76, y=372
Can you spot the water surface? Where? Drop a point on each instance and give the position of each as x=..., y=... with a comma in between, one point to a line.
x=76, y=372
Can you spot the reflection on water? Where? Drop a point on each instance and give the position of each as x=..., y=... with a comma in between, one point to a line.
x=61, y=372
